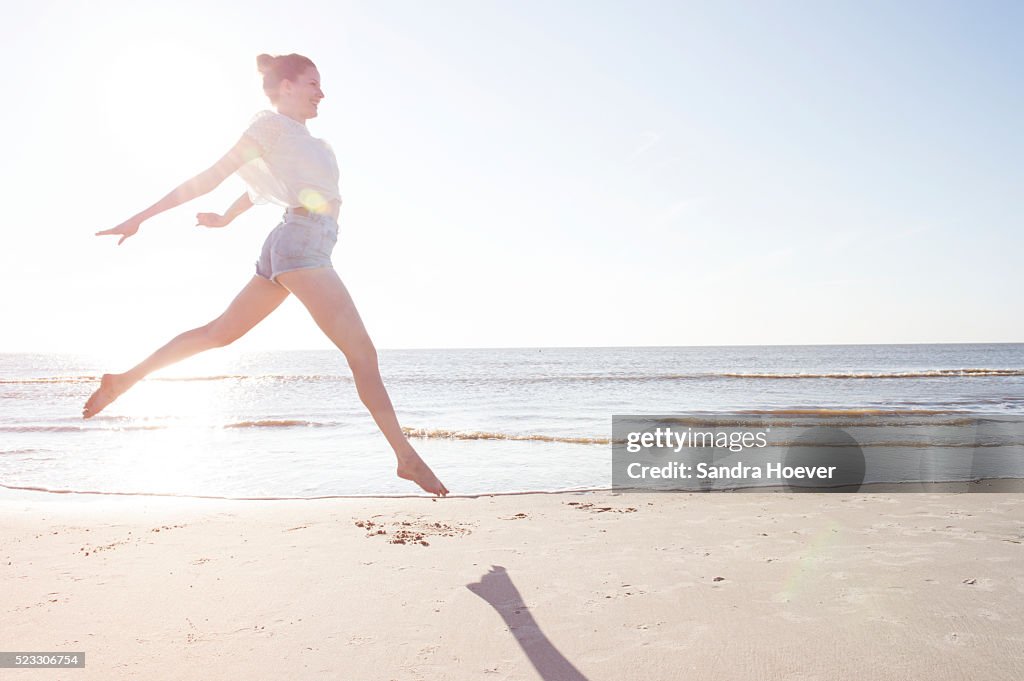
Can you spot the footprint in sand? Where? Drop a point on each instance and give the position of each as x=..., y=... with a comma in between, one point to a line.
x=593, y=508
x=415, y=531
x=166, y=527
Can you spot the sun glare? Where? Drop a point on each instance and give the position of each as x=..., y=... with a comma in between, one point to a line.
x=157, y=102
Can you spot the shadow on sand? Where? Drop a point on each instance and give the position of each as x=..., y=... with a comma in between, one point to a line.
x=496, y=588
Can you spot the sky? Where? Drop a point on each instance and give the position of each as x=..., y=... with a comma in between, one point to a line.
x=531, y=173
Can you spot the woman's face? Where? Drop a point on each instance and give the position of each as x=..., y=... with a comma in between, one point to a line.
x=302, y=96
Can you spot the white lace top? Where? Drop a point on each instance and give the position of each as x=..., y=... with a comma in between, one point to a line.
x=296, y=169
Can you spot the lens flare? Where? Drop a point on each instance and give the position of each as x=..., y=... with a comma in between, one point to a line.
x=314, y=201
x=807, y=570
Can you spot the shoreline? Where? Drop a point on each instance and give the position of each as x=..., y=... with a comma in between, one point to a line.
x=981, y=485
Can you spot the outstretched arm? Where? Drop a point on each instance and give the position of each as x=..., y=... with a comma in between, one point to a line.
x=241, y=204
x=244, y=150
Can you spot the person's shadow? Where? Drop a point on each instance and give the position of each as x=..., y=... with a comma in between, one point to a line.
x=496, y=588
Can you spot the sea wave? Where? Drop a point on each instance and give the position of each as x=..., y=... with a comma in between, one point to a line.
x=849, y=411
x=279, y=423
x=102, y=493
x=898, y=444
x=795, y=417
x=429, y=433
x=926, y=373
x=76, y=429
x=800, y=416
x=489, y=435
x=120, y=425
x=553, y=378
x=176, y=379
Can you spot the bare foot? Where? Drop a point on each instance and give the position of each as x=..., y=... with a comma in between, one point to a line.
x=412, y=467
x=111, y=387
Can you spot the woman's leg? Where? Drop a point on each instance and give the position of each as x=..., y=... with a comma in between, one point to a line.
x=327, y=299
x=259, y=298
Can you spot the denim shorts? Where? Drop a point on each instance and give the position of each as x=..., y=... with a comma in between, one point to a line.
x=300, y=242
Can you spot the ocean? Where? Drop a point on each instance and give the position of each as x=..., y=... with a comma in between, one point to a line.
x=290, y=424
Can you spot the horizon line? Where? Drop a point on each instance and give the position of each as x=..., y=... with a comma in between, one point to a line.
x=573, y=347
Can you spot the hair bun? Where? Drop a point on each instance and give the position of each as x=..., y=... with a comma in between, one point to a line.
x=264, y=63
x=280, y=68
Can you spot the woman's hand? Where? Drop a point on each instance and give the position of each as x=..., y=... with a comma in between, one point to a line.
x=124, y=230
x=212, y=220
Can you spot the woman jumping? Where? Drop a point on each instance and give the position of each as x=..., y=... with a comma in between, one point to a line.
x=281, y=163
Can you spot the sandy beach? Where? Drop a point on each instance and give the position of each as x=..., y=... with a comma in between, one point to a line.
x=541, y=586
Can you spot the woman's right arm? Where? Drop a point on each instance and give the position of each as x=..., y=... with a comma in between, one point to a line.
x=241, y=204
x=245, y=150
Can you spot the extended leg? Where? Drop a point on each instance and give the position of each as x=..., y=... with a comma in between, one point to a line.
x=259, y=298
x=327, y=299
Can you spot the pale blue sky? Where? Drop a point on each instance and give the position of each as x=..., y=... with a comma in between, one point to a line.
x=534, y=173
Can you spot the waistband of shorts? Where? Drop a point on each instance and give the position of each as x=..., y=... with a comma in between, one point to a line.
x=298, y=212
